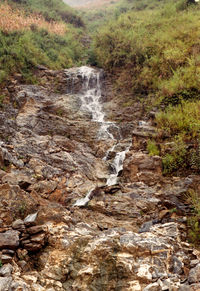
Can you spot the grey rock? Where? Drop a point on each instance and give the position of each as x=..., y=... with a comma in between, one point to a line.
x=6, y=270
x=193, y=263
x=31, y=219
x=146, y=226
x=194, y=275
x=5, y=283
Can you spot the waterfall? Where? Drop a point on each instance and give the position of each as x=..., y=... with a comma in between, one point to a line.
x=90, y=97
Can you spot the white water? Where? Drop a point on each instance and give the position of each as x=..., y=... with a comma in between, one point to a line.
x=91, y=103
x=84, y=201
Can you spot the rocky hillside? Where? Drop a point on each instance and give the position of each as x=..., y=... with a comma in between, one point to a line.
x=130, y=234
x=99, y=184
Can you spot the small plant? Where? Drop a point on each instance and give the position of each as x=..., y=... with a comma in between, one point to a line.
x=22, y=209
x=152, y=148
x=194, y=219
x=177, y=157
x=1, y=264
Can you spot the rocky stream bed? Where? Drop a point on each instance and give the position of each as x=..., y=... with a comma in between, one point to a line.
x=83, y=205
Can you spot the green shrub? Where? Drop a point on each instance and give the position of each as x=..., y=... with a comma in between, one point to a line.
x=194, y=218
x=184, y=119
x=152, y=148
x=22, y=51
x=177, y=158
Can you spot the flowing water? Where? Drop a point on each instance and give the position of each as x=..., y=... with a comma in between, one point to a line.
x=90, y=97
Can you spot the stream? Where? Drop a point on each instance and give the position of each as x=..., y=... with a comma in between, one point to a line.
x=90, y=96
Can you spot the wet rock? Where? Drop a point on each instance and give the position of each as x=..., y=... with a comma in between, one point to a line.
x=9, y=239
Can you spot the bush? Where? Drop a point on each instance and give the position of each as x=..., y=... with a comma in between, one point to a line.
x=194, y=218
x=181, y=125
x=22, y=51
x=152, y=148
x=177, y=158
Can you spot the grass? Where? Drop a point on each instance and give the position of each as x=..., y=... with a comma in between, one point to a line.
x=16, y=20
x=152, y=148
x=179, y=137
x=51, y=10
x=29, y=39
x=153, y=51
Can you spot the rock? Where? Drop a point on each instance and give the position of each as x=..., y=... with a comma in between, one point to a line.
x=15, y=202
x=30, y=279
x=6, y=270
x=185, y=288
x=18, y=225
x=6, y=259
x=193, y=263
x=194, y=275
x=141, y=167
x=35, y=229
x=30, y=220
x=5, y=283
x=38, y=238
x=8, y=252
x=9, y=239
x=22, y=264
x=152, y=287
x=146, y=226
x=32, y=247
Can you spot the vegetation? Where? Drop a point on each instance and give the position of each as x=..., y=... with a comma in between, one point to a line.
x=153, y=52
x=152, y=148
x=194, y=218
x=27, y=40
x=15, y=20
x=179, y=136
x=51, y=10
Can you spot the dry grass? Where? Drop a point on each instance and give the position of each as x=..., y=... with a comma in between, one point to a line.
x=88, y=4
x=12, y=20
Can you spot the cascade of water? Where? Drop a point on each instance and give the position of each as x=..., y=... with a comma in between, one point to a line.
x=83, y=201
x=91, y=102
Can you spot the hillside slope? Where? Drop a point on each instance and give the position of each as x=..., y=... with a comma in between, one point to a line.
x=33, y=33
